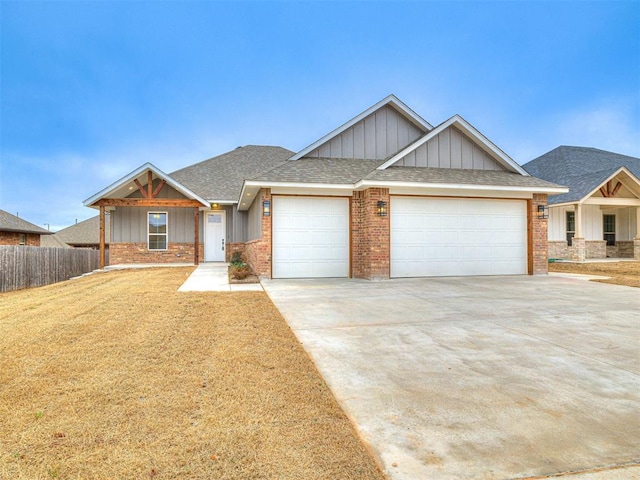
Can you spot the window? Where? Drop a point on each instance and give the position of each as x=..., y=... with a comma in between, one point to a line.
x=157, y=230
x=609, y=229
x=23, y=239
x=571, y=227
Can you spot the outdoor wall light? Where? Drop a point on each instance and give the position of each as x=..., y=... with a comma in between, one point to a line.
x=382, y=208
x=214, y=206
x=266, y=208
x=543, y=212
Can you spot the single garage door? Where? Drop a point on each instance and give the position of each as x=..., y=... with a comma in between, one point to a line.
x=457, y=236
x=310, y=237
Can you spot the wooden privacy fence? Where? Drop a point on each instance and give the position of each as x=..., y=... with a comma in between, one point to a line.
x=24, y=267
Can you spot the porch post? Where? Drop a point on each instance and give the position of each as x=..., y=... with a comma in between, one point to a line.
x=102, y=256
x=196, y=236
x=636, y=240
x=579, y=243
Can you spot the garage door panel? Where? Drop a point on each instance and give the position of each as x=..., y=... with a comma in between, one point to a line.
x=310, y=237
x=452, y=237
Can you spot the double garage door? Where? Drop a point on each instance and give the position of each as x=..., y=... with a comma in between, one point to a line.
x=429, y=237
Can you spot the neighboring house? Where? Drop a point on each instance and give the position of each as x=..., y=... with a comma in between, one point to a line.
x=16, y=231
x=85, y=234
x=385, y=195
x=600, y=215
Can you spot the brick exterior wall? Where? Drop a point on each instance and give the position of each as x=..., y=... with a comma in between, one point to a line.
x=13, y=238
x=370, y=235
x=121, y=253
x=538, y=237
x=622, y=249
x=558, y=249
x=258, y=252
x=231, y=249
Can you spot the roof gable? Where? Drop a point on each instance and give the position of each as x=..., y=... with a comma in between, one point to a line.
x=584, y=170
x=126, y=185
x=375, y=134
x=455, y=143
x=13, y=223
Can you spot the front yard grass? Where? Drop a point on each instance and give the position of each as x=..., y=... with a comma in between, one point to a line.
x=621, y=273
x=117, y=375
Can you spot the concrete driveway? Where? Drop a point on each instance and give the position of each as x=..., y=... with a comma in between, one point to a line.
x=479, y=377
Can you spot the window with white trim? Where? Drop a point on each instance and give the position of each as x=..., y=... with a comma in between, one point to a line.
x=157, y=231
x=23, y=239
x=571, y=227
x=609, y=229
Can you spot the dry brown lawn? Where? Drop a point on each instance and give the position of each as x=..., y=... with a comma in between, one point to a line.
x=119, y=376
x=621, y=273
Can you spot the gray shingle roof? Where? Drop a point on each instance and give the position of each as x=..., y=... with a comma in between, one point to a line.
x=53, y=241
x=582, y=169
x=84, y=233
x=320, y=170
x=11, y=223
x=458, y=176
x=221, y=178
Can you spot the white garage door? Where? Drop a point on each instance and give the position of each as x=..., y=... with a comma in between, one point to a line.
x=451, y=237
x=310, y=237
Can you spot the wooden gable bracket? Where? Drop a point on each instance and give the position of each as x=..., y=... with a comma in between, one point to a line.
x=141, y=188
x=148, y=192
x=609, y=192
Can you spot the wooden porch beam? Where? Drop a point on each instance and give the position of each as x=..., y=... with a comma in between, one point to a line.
x=196, y=235
x=102, y=242
x=149, y=184
x=604, y=192
x=140, y=187
x=147, y=202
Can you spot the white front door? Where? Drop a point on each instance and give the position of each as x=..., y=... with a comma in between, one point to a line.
x=214, y=233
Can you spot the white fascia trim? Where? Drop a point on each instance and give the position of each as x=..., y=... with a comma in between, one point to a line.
x=391, y=99
x=335, y=186
x=470, y=130
x=128, y=178
x=458, y=186
x=608, y=179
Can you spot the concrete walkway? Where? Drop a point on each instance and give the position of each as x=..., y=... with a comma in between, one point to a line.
x=212, y=277
x=491, y=378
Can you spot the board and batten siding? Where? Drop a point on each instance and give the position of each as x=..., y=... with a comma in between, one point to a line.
x=591, y=222
x=450, y=149
x=376, y=137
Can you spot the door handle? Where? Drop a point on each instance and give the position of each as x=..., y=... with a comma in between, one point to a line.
x=223, y=244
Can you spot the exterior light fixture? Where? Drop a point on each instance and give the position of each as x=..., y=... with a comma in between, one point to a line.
x=382, y=208
x=214, y=206
x=266, y=208
x=543, y=212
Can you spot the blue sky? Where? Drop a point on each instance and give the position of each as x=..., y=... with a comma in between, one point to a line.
x=92, y=90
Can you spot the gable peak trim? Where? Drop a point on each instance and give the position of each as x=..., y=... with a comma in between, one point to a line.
x=467, y=129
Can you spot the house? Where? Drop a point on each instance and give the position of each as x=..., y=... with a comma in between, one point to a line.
x=85, y=234
x=600, y=215
x=386, y=194
x=16, y=231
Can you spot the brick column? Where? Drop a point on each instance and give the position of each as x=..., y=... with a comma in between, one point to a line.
x=636, y=240
x=258, y=252
x=578, y=249
x=538, y=237
x=370, y=235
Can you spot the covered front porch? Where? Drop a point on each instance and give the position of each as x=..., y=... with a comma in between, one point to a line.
x=603, y=224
